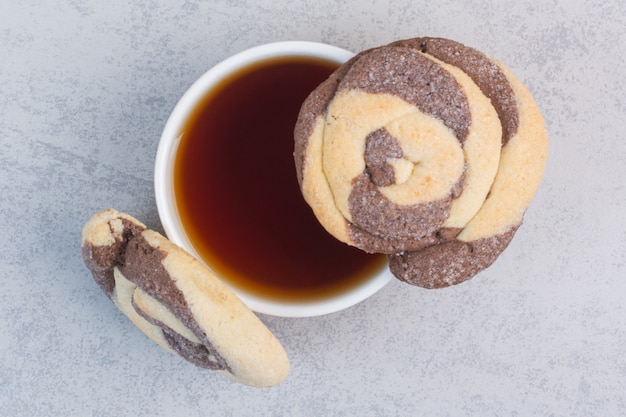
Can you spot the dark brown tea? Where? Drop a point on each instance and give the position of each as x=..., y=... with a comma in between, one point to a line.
x=237, y=192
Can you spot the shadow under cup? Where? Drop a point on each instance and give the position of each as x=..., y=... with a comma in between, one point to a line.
x=227, y=192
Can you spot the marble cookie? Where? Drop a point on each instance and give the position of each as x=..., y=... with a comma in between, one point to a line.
x=178, y=303
x=425, y=150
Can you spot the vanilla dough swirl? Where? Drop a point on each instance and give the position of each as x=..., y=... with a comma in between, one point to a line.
x=425, y=150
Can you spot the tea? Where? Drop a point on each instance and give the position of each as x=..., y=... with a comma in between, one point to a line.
x=238, y=196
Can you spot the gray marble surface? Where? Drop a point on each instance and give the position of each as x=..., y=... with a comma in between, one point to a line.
x=85, y=89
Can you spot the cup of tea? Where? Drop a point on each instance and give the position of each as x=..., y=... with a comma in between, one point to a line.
x=227, y=192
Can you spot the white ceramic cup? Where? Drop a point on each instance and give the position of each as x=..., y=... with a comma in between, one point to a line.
x=164, y=174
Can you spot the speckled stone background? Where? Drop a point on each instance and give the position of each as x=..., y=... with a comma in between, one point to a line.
x=85, y=89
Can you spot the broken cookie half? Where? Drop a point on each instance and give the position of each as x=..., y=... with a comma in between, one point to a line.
x=178, y=303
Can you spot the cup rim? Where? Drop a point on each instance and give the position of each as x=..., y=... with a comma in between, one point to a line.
x=163, y=177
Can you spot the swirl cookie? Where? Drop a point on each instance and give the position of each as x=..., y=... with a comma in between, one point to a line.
x=425, y=150
x=178, y=303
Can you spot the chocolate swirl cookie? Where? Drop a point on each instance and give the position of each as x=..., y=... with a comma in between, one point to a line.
x=178, y=303
x=425, y=150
